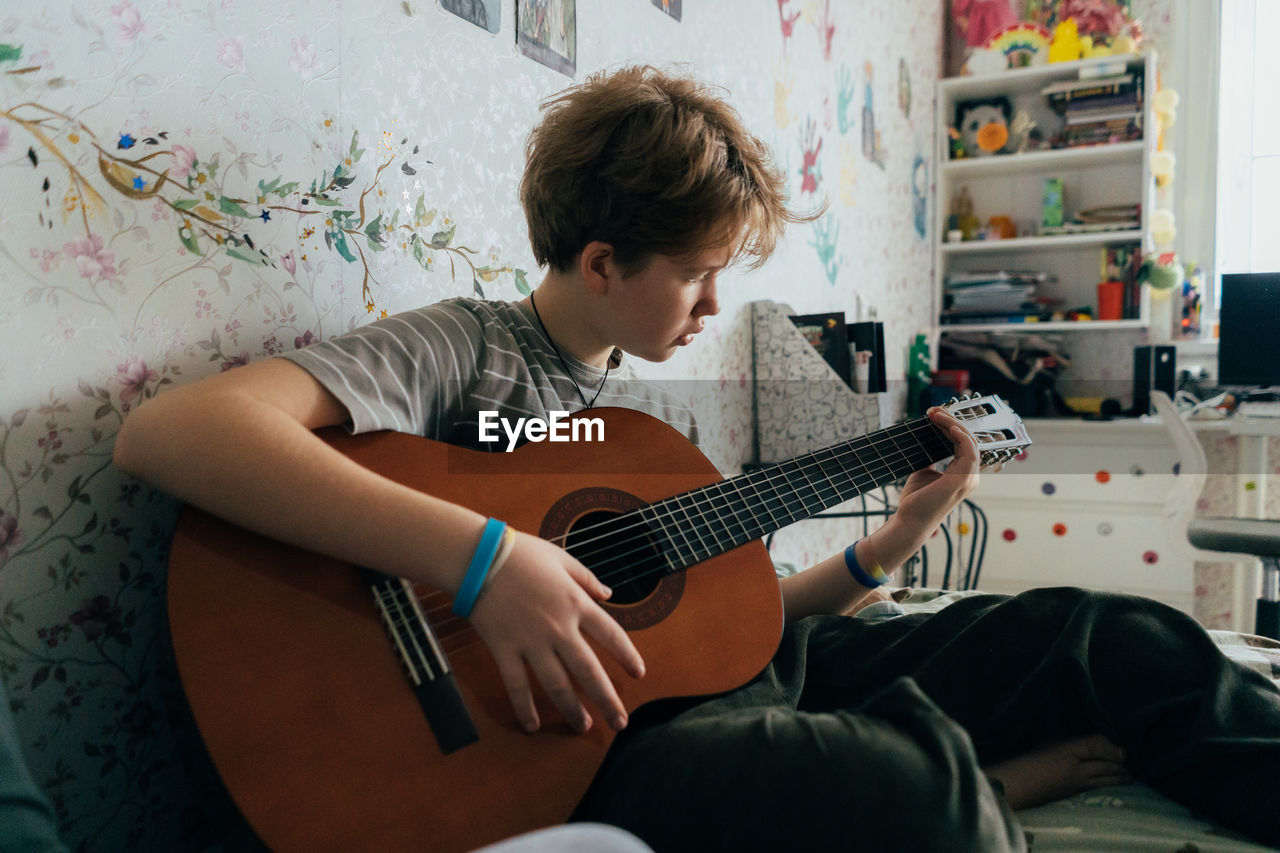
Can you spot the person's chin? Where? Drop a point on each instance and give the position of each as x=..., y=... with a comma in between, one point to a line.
x=658, y=355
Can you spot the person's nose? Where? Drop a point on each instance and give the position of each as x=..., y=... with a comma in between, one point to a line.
x=709, y=304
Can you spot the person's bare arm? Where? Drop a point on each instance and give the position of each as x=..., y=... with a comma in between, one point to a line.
x=240, y=445
x=926, y=499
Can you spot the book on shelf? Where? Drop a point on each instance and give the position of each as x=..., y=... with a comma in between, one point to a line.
x=1012, y=306
x=1088, y=227
x=1100, y=133
x=1110, y=115
x=989, y=291
x=998, y=317
x=1063, y=91
x=975, y=278
x=1006, y=297
x=1098, y=102
x=1110, y=213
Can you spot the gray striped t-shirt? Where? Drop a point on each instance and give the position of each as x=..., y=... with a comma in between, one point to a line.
x=431, y=371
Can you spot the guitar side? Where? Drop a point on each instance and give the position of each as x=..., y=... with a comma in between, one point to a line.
x=310, y=720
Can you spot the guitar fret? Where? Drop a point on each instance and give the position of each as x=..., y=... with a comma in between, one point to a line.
x=794, y=484
x=742, y=534
x=861, y=474
x=893, y=437
x=751, y=528
x=697, y=528
x=689, y=557
x=721, y=523
x=666, y=537
x=884, y=463
x=812, y=490
x=765, y=499
x=822, y=469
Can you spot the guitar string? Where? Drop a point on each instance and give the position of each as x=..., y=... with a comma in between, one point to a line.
x=439, y=620
x=919, y=458
x=907, y=430
x=615, y=554
x=715, y=496
x=912, y=430
x=702, y=498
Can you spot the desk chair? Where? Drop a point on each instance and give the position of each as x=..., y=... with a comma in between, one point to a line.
x=1258, y=537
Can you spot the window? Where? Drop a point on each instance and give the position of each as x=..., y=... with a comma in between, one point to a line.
x=1248, y=209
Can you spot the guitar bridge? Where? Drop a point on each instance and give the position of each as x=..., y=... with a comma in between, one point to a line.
x=423, y=661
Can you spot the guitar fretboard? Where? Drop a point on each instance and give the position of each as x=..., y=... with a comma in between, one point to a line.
x=700, y=524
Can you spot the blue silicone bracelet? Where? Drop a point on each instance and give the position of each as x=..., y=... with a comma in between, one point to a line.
x=473, y=580
x=851, y=563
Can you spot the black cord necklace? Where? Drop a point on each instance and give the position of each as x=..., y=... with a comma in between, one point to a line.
x=565, y=364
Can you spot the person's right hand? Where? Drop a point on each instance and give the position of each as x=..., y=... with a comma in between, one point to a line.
x=535, y=615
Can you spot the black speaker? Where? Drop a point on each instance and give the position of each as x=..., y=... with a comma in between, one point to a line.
x=1154, y=368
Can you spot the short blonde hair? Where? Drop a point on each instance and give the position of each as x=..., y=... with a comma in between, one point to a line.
x=649, y=162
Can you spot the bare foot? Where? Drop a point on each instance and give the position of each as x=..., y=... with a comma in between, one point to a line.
x=1059, y=770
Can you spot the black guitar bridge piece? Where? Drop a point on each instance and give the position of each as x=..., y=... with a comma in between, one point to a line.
x=423, y=660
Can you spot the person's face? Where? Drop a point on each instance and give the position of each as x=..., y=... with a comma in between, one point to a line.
x=660, y=308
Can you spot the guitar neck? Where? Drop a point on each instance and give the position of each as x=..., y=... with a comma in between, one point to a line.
x=700, y=524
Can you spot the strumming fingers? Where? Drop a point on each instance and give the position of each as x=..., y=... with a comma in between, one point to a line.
x=585, y=668
x=551, y=674
x=516, y=680
x=602, y=628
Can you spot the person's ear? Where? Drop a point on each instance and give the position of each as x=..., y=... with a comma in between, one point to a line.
x=597, y=267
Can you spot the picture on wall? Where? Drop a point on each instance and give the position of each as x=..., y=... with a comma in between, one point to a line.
x=486, y=14
x=671, y=7
x=546, y=30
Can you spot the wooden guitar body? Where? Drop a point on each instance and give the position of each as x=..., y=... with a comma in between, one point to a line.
x=304, y=707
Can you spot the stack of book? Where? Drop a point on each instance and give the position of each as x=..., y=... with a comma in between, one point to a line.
x=992, y=296
x=1110, y=217
x=1098, y=110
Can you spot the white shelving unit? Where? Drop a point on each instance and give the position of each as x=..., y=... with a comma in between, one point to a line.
x=1013, y=184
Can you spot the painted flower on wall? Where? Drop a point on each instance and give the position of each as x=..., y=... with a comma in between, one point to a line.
x=129, y=23
x=92, y=259
x=304, y=57
x=133, y=376
x=98, y=618
x=184, y=160
x=231, y=52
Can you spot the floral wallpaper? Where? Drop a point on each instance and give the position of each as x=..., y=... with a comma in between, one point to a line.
x=189, y=185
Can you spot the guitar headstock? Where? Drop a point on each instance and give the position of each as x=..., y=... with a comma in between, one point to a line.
x=996, y=428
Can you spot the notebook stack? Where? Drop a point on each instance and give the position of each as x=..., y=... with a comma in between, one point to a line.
x=1097, y=111
x=992, y=296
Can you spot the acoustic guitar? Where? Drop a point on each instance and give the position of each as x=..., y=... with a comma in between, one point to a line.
x=346, y=710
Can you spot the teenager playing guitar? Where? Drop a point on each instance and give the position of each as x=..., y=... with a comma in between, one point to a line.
x=918, y=733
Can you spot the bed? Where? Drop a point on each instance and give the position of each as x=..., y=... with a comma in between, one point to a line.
x=1132, y=818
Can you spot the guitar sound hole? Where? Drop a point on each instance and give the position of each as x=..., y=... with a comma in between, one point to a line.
x=619, y=551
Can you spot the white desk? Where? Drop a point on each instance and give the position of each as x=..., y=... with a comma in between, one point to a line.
x=1088, y=506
